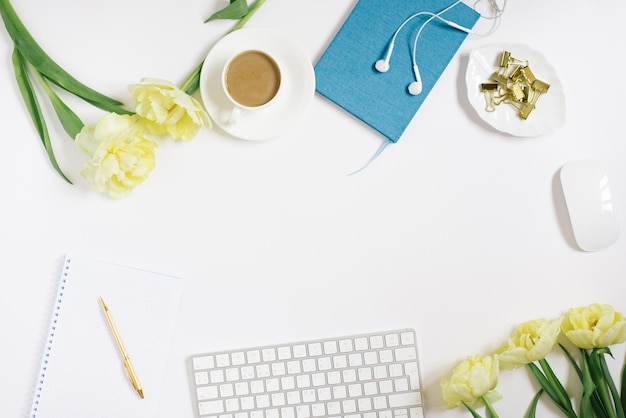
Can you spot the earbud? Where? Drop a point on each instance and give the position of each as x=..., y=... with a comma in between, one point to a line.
x=382, y=66
x=415, y=87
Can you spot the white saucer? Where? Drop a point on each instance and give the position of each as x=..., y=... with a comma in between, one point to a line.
x=297, y=84
x=549, y=113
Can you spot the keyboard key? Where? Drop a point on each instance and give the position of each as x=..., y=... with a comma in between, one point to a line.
x=211, y=407
x=278, y=369
x=411, y=369
x=330, y=347
x=315, y=349
x=349, y=406
x=333, y=407
x=268, y=354
x=361, y=344
x=392, y=340
x=407, y=338
x=416, y=412
x=202, y=378
x=405, y=399
x=287, y=383
x=284, y=353
x=299, y=351
x=318, y=410
x=324, y=394
x=364, y=404
x=207, y=392
x=380, y=402
x=405, y=353
x=253, y=356
x=241, y=388
x=376, y=341
x=303, y=411
x=203, y=362
x=293, y=367
x=309, y=395
x=263, y=370
x=293, y=397
x=355, y=360
x=324, y=363
x=395, y=370
x=288, y=412
x=222, y=360
x=340, y=361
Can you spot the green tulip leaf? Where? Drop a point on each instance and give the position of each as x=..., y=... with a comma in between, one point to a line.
x=37, y=57
x=533, y=405
x=471, y=410
x=623, y=388
x=34, y=109
x=235, y=10
x=69, y=120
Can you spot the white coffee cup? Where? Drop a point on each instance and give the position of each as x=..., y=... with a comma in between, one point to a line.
x=251, y=80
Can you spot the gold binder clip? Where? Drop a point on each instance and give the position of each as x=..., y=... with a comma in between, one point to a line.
x=490, y=90
x=515, y=84
x=528, y=75
x=506, y=59
x=517, y=92
x=525, y=110
x=500, y=79
x=540, y=86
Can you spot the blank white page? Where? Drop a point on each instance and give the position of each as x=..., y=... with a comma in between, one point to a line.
x=82, y=373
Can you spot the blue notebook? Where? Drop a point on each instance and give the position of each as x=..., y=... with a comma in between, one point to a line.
x=345, y=73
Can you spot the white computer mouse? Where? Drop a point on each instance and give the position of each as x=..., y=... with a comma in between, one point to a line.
x=590, y=204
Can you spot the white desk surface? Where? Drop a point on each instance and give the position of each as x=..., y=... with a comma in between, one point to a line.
x=457, y=230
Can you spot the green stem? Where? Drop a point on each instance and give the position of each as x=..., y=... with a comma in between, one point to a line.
x=192, y=82
x=601, y=384
x=559, y=390
x=623, y=388
x=489, y=407
x=251, y=11
x=617, y=404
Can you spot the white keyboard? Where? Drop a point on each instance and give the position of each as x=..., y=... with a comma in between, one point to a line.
x=359, y=376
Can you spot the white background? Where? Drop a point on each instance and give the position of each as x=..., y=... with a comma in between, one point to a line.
x=457, y=230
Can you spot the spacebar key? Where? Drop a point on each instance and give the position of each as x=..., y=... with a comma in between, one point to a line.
x=405, y=399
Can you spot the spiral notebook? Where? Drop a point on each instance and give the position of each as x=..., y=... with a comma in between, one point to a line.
x=82, y=373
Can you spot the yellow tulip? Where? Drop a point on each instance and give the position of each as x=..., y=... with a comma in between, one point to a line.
x=472, y=379
x=594, y=326
x=121, y=156
x=531, y=341
x=167, y=109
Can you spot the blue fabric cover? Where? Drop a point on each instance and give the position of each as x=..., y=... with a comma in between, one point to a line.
x=345, y=73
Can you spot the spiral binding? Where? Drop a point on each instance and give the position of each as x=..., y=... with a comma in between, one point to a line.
x=51, y=332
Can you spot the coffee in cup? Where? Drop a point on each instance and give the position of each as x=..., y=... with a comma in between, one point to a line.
x=251, y=80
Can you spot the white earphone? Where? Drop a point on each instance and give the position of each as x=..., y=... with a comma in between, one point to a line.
x=383, y=65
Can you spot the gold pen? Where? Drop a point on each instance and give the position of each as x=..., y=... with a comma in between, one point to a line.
x=127, y=364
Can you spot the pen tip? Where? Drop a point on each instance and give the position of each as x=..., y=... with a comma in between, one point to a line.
x=140, y=391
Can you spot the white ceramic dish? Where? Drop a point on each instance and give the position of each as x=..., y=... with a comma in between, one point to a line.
x=297, y=84
x=549, y=114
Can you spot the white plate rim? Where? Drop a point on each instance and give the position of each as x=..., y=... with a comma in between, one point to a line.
x=297, y=84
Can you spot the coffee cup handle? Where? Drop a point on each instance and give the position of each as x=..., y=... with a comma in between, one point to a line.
x=235, y=114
